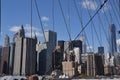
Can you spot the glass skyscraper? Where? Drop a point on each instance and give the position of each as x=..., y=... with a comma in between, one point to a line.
x=113, y=46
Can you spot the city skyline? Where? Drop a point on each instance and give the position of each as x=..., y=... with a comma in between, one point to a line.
x=16, y=13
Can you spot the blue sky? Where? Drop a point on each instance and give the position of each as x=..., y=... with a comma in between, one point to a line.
x=17, y=12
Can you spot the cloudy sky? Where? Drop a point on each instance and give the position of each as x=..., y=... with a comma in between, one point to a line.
x=17, y=12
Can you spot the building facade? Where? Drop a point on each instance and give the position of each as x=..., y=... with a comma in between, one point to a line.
x=25, y=54
x=45, y=52
x=5, y=60
x=113, y=46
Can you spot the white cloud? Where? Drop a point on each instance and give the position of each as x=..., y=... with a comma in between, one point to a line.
x=14, y=28
x=27, y=28
x=92, y=5
x=45, y=18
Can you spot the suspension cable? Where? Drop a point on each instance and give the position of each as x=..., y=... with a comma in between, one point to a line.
x=93, y=25
x=91, y=19
x=81, y=22
x=40, y=19
x=69, y=17
x=114, y=11
x=64, y=19
x=100, y=21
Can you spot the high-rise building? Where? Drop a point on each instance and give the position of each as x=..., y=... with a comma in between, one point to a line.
x=29, y=57
x=101, y=50
x=18, y=56
x=113, y=46
x=42, y=59
x=82, y=38
x=5, y=60
x=5, y=56
x=70, y=68
x=6, y=41
x=51, y=37
x=25, y=54
x=69, y=45
x=0, y=56
x=11, y=58
x=57, y=58
x=61, y=44
x=99, y=64
x=92, y=64
x=45, y=52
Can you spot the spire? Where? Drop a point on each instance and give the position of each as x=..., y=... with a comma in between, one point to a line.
x=21, y=32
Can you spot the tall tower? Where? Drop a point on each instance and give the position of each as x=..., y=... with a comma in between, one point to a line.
x=113, y=46
x=45, y=52
x=6, y=41
x=5, y=56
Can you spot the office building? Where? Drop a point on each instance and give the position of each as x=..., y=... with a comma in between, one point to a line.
x=101, y=50
x=45, y=52
x=6, y=41
x=25, y=54
x=92, y=64
x=28, y=57
x=5, y=60
x=99, y=64
x=69, y=45
x=18, y=56
x=57, y=58
x=70, y=68
x=11, y=58
x=42, y=55
x=61, y=44
x=113, y=46
x=0, y=56
x=82, y=38
x=5, y=56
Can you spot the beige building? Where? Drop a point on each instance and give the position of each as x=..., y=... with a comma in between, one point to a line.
x=70, y=68
x=90, y=65
x=107, y=69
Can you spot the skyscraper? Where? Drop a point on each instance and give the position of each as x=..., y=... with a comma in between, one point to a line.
x=6, y=41
x=113, y=46
x=69, y=45
x=0, y=56
x=18, y=56
x=11, y=58
x=25, y=54
x=5, y=56
x=28, y=56
x=45, y=52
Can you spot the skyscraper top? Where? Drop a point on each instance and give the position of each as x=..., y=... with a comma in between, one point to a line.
x=21, y=32
x=6, y=41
